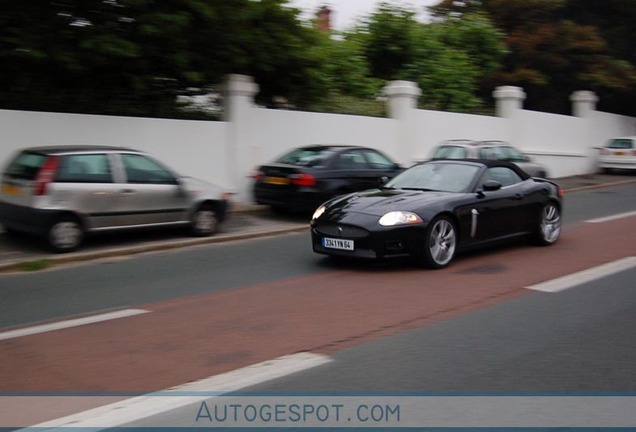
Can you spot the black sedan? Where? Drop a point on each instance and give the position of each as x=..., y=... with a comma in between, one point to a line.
x=308, y=176
x=435, y=209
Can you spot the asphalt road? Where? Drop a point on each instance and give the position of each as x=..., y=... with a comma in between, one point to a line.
x=389, y=327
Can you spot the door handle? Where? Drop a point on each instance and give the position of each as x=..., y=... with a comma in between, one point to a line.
x=128, y=191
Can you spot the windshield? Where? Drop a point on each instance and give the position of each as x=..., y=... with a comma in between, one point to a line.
x=310, y=156
x=436, y=177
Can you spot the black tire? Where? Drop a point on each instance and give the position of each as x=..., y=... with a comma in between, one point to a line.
x=204, y=221
x=440, y=243
x=548, y=229
x=65, y=234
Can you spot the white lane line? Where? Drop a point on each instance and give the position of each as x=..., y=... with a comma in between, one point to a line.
x=27, y=331
x=140, y=407
x=611, y=218
x=574, y=279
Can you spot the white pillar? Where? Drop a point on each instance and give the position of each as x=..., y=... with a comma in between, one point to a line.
x=508, y=100
x=402, y=98
x=401, y=105
x=239, y=92
x=583, y=103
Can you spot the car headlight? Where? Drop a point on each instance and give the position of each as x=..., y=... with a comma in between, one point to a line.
x=400, y=218
x=319, y=211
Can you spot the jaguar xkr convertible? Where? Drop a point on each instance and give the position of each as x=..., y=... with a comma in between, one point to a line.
x=436, y=209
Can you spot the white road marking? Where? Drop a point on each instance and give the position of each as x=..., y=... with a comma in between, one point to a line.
x=140, y=407
x=611, y=218
x=574, y=279
x=27, y=331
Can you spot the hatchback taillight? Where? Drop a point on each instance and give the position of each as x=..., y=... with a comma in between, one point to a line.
x=46, y=175
x=303, y=180
x=604, y=152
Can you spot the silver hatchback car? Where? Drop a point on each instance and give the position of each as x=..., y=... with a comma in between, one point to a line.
x=63, y=193
x=497, y=150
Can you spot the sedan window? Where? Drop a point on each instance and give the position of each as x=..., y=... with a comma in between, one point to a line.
x=352, y=160
x=378, y=161
x=308, y=157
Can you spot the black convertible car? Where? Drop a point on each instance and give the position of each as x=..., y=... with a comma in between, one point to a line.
x=435, y=209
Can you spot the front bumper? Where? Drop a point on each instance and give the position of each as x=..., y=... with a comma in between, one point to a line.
x=374, y=243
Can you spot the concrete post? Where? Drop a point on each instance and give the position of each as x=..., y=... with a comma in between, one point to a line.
x=508, y=100
x=583, y=103
x=239, y=92
x=401, y=105
x=401, y=98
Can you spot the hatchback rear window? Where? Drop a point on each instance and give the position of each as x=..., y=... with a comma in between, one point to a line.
x=450, y=152
x=305, y=157
x=620, y=143
x=26, y=166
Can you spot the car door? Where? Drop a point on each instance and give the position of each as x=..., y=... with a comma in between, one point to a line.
x=353, y=171
x=149, y=194
x=85, y=184
x=499, y=213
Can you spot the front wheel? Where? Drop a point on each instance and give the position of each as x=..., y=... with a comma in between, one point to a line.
x=549, y=227
x=204, y=222
x=440, y=243
x=65, y=234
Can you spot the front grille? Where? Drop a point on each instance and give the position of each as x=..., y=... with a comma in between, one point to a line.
x=341, y=230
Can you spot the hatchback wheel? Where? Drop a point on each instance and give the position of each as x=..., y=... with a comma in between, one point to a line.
x=205, y=221
x=65, y=234
x=440, y=243
x=549, y=228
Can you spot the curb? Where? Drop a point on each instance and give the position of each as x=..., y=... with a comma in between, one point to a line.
x=78, y=257
x=599, y=185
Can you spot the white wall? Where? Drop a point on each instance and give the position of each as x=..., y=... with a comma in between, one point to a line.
x=226, y=153
x=195, y=148
x=432, y=127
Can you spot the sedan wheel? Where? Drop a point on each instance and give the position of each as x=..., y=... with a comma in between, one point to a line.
x=441, y=242
x=549, y=228
x=205, y=222
x=65, y=235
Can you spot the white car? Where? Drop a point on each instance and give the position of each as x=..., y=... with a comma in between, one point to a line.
x=618, y=153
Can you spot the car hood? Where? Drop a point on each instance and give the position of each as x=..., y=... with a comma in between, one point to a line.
x=377, y=202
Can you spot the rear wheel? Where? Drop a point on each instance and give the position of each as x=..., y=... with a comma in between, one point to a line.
x=205, y=221
x=65, y=234
x=549, y=226
x=440, y=243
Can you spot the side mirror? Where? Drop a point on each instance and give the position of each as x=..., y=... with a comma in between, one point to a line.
x=491, y=185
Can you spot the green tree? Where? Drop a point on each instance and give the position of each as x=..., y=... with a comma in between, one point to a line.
x=560, y=46
x=134, y=57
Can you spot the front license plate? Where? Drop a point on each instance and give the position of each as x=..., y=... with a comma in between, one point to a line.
x=9, y=189
x=341, y=244
x=277, y=180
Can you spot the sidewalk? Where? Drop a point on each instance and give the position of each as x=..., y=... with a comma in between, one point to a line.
x=244, y=222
